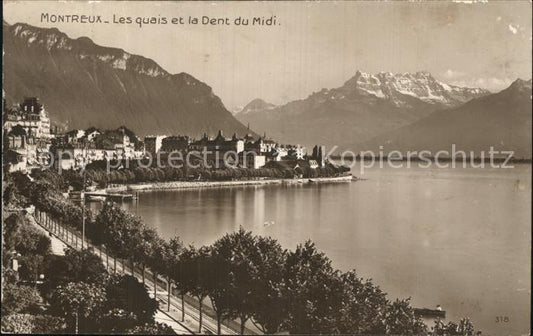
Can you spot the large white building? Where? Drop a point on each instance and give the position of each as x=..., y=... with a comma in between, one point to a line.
x=26, y=131
x=77, y=148
x=30, y=115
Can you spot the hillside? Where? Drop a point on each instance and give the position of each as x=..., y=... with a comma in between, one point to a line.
x=83, y=84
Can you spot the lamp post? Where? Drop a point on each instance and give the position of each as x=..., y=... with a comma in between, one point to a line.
x=83, y=223
x=83, y=209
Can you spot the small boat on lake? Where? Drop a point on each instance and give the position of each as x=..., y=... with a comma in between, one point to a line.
x=108, y=196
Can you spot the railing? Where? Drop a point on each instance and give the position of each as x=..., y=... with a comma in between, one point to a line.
x=172, y=302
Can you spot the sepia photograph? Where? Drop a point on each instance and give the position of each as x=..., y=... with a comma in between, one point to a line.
x=267, y=167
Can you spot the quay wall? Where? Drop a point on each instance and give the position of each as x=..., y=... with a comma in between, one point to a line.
x=211, y=184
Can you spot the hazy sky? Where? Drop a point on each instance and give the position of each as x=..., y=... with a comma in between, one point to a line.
x=314, y=45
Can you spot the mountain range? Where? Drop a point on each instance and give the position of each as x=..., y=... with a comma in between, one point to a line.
x=365, y=106
x=501, y=120
x=83, y=84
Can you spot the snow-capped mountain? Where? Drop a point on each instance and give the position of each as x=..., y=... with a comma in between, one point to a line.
x=83, y=84
x=257, y=104
x=364, y=107
x=501, y=120
x=420, y=85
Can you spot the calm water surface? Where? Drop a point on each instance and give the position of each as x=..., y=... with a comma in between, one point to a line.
x=456, y=237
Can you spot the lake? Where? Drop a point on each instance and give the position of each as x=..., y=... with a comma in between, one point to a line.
x=458, y=237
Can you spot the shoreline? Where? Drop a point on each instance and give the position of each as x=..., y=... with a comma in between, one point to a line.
x=172, y=185
x=433, y=160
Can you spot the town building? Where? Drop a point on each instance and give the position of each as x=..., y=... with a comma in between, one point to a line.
x=251, y=160
x=26, y=136
x=174, y=143
x=261, y=146
x=77, y=148
x=31, y=115
x=219, y=151
x=219, y=145
x=23, y=152
x=153, y=143
x=296, y=152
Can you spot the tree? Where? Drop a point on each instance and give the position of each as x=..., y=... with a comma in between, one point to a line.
x=143, y=252
x=48, y=324
x=23, y=237
x=19, y=299
x=127, y=303
x=313, y=290
x=233, y=254
x=400, y=319
x=18, y=323
x=31, y=265
x=121, y=232
x=464, y=328
x=11, y=195
x=12, y=225
x=155, y=328
x=193, y=276
x=269, y=303
x=363, y=306
x=172, y=259
x=157, y=260
x=78, y=300
x=74, y=266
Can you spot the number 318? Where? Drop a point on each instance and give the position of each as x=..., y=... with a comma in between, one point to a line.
x=502, y=319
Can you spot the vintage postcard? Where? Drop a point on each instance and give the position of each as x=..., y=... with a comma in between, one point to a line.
x=274, y=167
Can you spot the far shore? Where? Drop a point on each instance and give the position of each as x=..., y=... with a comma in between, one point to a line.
x=433, y=159
x=211, y=184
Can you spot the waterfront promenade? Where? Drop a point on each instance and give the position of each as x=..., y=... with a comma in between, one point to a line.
x=170, y=311
x=173, y=185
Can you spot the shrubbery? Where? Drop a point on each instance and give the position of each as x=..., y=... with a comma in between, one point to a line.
x=133, y=173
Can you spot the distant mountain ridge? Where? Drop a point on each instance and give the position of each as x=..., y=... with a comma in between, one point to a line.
x=420, y=85
x=257, y=104
x=83, y=84
x=502, y=120
x=365, y=106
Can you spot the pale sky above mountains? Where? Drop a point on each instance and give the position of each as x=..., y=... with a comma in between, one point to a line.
x=314, y=45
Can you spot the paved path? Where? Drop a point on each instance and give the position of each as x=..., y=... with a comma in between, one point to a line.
x=162, y=317
x=58, y=248
x=57, y=245
x=62, y=236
